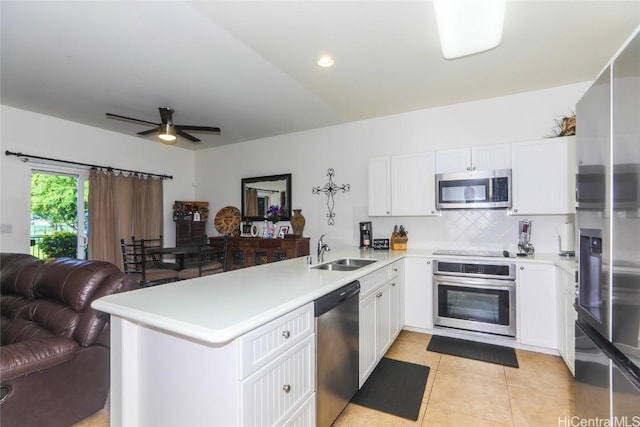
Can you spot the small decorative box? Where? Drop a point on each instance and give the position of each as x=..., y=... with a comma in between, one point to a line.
x=380, y=244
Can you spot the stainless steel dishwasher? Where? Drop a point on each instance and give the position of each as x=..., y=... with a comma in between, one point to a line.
x=337, y=351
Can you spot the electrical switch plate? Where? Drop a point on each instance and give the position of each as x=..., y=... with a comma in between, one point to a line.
x=6, y=228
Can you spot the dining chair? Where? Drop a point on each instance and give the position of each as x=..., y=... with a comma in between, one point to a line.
x=211, y=259
x=141, y=266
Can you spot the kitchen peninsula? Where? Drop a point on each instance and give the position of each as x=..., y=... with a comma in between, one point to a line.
x=236, y=348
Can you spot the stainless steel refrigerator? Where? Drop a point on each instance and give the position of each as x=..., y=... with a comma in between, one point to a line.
x=607, y=364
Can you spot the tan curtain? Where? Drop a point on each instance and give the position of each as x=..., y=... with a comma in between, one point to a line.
x=251, y=202
x=147, y=212
x=121, y=207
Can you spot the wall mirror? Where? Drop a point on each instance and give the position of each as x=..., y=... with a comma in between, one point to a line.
x=260, y=193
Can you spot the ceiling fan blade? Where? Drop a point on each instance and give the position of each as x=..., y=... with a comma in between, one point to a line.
x=130, y=119
x=188, y=137
x=199, y=128
x=148, y=132
x=166, y=115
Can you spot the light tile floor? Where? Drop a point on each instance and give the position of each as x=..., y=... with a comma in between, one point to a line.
x=464, y=392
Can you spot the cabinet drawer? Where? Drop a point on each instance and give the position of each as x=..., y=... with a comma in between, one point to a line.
x=277, y=391
x=305, y=416
x=265, y=343
x=376, y=279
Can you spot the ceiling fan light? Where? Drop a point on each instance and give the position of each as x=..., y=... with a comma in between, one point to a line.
x=469, y=26
x=167, y=133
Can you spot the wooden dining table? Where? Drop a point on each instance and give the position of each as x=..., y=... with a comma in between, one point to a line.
x=178, y=251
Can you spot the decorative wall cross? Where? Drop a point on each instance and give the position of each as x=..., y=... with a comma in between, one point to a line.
x=330, y=189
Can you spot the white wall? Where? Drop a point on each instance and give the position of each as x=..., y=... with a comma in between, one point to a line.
x=36, y=134
x=347, y=148
x=307, y=156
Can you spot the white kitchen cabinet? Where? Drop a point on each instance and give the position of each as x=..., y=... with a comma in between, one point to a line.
x=379, y=316
x=413, y=185
x=265, y=377
x=274, y=392
x=402, y=185
x=567, y=316
x=543, y=175
x=467, y=159
x=536, y=305
x=397, y=299
x=418, y=283
x=380, y=186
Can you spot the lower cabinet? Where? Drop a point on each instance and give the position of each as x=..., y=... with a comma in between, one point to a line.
x=263, y=378
x=536, y=305
x=380, y=315
x=418, y=288
x=270, y=395
x=567, y=316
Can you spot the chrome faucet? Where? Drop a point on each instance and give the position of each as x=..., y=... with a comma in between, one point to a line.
x=322, y=248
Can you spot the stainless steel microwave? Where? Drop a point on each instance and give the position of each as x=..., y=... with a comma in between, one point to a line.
x=474, y=190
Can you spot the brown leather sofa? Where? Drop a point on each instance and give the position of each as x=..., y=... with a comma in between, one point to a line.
x=54, y=348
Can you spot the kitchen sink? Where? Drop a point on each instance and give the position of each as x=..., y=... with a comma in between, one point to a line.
x=345, y=264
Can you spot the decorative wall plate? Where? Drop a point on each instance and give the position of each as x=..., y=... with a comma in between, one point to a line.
x=227, y=220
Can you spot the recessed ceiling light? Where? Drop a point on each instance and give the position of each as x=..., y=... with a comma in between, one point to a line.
x=325, y=61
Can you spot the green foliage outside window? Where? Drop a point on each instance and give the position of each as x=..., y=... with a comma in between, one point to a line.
x=54, y=198
x=59, y=244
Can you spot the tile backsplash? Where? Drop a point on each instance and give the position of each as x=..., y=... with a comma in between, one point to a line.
x=478, y=229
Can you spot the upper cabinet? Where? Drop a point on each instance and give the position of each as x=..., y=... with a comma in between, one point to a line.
x=467, y=159
x=543, y=174
x=380, y=186
x=402, y=185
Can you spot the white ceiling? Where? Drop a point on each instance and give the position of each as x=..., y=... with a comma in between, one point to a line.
x=249, y=66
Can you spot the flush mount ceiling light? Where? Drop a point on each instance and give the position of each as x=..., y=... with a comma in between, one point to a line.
x=469, y=26
x=325, y=61
x=167, y=133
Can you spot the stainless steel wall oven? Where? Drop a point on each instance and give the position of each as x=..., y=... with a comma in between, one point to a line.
x=477, y=296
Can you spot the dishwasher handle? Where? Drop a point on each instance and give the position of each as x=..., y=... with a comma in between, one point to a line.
x=332, y=299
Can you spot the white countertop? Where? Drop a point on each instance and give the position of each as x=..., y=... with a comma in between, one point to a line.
x=219, y=308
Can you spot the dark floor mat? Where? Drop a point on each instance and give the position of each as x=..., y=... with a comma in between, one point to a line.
x=394, y=387
x=474, y=350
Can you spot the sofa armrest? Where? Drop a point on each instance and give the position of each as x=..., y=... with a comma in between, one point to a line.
x=34, y=355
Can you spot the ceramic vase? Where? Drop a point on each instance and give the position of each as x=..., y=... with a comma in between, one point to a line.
x=297, y=222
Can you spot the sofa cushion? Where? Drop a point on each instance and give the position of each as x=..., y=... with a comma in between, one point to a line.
x=16, y=330
x=74, y=282
x=33, y=355
x=18, y=277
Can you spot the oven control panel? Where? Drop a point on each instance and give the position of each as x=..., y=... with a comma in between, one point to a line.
x=499, y=270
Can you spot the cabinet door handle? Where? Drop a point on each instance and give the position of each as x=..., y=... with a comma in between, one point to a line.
x=522, y=267
x=428, y=262
x=286, y=388
x=393, y=284
x=286, y=334
x=515, y=210
x=395, y=270
x=468, y=168
x=379, y=294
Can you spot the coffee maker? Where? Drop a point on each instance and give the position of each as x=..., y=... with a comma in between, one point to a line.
x=525, y=247
x=365, y=235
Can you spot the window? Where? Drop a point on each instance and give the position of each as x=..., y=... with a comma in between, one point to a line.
x=59, y=219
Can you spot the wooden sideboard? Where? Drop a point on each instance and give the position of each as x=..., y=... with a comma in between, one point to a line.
x=245, y=252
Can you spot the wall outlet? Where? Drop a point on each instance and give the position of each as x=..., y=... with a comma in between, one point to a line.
x=6, y=228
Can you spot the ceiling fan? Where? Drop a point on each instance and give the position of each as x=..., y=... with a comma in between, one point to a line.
x=166, y=129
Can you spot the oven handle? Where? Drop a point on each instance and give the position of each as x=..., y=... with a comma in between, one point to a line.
x=474, y=283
